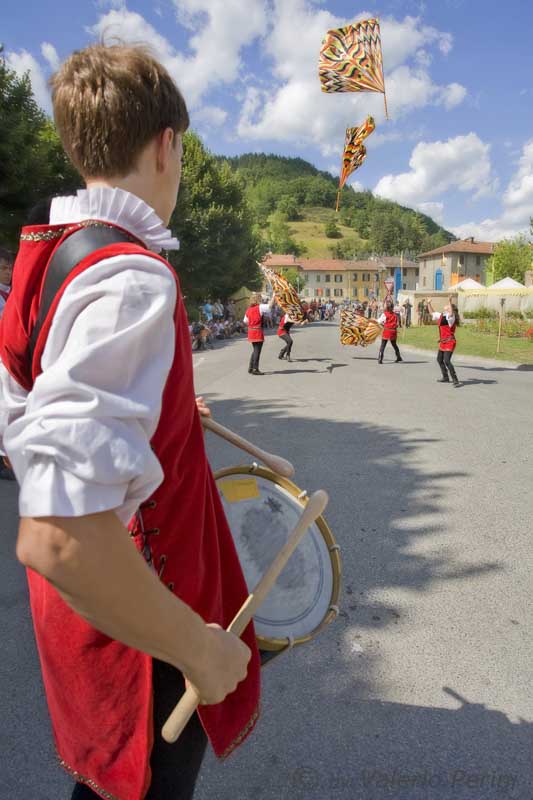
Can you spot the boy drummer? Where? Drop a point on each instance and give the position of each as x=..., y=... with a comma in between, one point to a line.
x=101, y=427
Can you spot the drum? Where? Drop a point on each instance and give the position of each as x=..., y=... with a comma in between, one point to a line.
x=262, y=509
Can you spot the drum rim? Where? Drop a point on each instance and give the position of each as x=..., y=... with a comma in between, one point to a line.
x=272, y=643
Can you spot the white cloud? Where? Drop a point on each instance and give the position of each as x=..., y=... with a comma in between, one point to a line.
x=23, y=62
x=297, y=111
x=218, y=36
x=356, y=185
x=452, y=95
x=212, y=116
x=517, y=205
x=434, y=209
x=50, y=54
x=462, y=163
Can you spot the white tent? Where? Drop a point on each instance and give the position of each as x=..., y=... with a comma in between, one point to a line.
x=507, y=283
x=468, y=283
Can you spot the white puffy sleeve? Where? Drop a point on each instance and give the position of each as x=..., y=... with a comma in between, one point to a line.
x=83, y=443
x=12, y=402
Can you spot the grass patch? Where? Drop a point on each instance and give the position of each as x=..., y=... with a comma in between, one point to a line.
x=471, y=343
x=310, y=232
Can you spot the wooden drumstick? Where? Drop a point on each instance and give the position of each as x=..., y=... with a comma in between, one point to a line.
x=277, y=464
x=190, y=701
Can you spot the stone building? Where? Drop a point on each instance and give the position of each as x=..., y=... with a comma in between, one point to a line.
x=442, y=268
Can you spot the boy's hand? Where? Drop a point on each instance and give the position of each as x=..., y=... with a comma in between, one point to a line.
x=202, y=408
x=223, y=667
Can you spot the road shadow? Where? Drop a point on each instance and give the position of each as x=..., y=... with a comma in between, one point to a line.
x=518, y=368
x=292, y=371
x=458, y=751
x=331, y=367
x=325, y=733
x=323, y=721
x=473, y=382
x=306, y=360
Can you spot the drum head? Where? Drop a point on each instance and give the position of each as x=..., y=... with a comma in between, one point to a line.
x=262, y=509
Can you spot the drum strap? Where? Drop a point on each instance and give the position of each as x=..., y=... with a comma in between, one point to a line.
x=71, y=252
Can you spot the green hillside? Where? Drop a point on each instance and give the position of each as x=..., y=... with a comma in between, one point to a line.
x=293, y=203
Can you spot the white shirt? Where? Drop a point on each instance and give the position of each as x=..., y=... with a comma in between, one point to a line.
x=5, y=289
x=79, y=442
x=450, y=318
x=264, y=308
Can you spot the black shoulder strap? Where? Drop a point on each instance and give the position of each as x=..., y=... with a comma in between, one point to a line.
x=65, y=259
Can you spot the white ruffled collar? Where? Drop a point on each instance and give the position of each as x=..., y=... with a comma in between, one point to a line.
x=117, y=207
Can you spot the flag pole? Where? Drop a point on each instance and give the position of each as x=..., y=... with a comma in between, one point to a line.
x=386, y=109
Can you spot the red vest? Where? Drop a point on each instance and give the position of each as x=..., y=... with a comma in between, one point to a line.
x=391, y=326
x=282, y=329
x=99, y=691
x=447, y=340
x=255, y=324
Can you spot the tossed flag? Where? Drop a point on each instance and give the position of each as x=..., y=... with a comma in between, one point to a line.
x=354, y=151
x=351, y=60
x=356, y=329
x=286, y=294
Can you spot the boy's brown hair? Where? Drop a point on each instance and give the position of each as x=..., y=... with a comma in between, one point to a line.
x=109, y=102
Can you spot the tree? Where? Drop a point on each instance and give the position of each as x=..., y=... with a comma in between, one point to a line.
x=279, y=237
x=219, y=247
x=331, y=230
x=33, y=164
x=511, y=258
x=287, y=205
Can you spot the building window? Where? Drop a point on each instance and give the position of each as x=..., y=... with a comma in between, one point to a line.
x=417, y=272
x=354, y=292
x=478, y=261
x=338, y=278
x=367, y=291
x=376, y=276
x=328, y=292
x=354, y=277
x=404, y=285
x=306, y=292
x=461, y=261
x=318, y=278
x=337, y=292
x=328, y=278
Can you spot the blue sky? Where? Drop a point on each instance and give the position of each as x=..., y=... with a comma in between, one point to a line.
x=458, y=73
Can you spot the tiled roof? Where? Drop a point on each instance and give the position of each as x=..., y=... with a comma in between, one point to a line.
x=335, y=264
x=280, y=260
x=462, y=246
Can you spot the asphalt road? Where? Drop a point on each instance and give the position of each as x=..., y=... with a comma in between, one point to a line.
x=422, y=687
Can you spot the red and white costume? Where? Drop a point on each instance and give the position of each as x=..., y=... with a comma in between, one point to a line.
x=389, y=320
x=254, y=319
x=105, y=418
x=285, y=320
x=447, y=328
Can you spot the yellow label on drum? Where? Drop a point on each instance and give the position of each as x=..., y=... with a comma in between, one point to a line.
x=239, y=489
